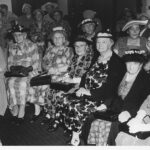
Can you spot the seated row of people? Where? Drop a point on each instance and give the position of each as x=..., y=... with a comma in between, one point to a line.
x=96, y=82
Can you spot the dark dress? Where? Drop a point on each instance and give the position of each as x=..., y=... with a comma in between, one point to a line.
x=96, y=79
x=132, y=101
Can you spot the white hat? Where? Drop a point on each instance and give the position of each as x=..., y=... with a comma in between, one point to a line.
x=58, y=29
x=133, y=22
x=85, y=21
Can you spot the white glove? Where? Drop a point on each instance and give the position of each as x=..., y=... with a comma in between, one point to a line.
x=138, y=119
x=102, y=107
x=124, y=116
x=134, y=128
x=83, y=91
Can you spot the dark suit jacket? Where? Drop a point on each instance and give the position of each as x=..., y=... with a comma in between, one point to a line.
x=108, y=90
x=136, y=96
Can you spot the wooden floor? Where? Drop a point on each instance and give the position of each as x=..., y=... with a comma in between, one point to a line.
x=27, y=133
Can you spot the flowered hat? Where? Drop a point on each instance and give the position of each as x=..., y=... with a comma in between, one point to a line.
x=134, y=55
x=86, y=21
x=133, y=22
x=17, y=28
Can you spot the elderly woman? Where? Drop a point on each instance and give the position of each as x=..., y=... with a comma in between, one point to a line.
x=26, y=19
x=55, y=62
x=132, y=91
x=133, y=40
x=23, y=53
x=79, y=65
x=97, y=85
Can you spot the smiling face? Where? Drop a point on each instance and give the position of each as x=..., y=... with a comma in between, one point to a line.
x=80, y=48
x=58, y=39
x=103, y=44
x=134, y=31
x=133, y=67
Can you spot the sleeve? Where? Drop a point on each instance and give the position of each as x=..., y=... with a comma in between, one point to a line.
x=10, y=58
x=35, y=62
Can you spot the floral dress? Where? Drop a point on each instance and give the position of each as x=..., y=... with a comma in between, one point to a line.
x=24, y=54
x=77, y=109
x=56, y=61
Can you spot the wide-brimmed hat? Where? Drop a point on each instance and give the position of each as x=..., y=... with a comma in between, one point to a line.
x=133, y=22
x=134, y=55
x=49, y=3
x=86, y=21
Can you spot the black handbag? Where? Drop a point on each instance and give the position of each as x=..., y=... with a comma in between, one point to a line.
x=107, y=115
x=18, y=71
x=42, y=79
x=141, y=135
x=62, y=86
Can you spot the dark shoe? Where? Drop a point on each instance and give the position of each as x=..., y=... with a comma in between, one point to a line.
x=34, y=118
x=19, y=121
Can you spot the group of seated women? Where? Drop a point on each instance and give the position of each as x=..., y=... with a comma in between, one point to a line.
x=104, y=79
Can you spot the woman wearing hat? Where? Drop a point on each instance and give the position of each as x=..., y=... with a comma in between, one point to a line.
x=132, y=91
x=21, y=53
x=80, y=64
x=97, y=85
x=39, y=31
x=26, y=19
x=55, y=62
x=133, y=40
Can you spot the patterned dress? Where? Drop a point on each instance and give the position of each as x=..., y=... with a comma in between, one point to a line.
x=76, y=110
x=56, y=61
x=24, y=54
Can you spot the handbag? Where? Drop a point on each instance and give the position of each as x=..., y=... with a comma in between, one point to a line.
x=18, y=71
x=42, y=79
x=62, y=86
x=141, y=135
x=107, y=115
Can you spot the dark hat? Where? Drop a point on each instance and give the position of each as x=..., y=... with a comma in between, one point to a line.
x=82, y=39
x=134, y=55
x=17, y=28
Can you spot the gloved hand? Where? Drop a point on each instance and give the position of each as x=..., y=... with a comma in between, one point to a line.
x=102, y=107
x=124, y=116
x=138, y=119
x=83, y=91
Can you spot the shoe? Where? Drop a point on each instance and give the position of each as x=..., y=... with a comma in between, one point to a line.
x=52, y=128
x=19, y=121
x=34, y=118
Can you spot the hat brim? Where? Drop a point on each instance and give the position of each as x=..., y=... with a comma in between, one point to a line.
x=81, y=24
x=133, y=22
x=134, y=58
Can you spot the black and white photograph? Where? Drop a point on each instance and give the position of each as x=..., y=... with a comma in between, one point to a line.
x=75, y=73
